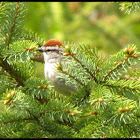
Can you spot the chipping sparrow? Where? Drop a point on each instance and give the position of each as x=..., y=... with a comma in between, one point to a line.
x=52, y=56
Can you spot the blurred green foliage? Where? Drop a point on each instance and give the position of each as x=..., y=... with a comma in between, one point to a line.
x=102, y=24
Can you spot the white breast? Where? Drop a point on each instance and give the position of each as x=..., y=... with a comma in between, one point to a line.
x=51, y=74
x=50, y=71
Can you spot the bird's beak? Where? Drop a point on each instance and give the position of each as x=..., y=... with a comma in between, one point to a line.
x=40, y=49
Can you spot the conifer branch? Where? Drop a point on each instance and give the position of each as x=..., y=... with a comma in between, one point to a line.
x=29, y=35
x=35, y=118
x=114, y=86
x=13, y=26
x=12, y=72
x=24, y=119
x=1, y=4
x=117, y=66
x=74, y=78
x=117, y=84
x=71, y=76
x=12, y=121
x=95, y=79
x=84, y=98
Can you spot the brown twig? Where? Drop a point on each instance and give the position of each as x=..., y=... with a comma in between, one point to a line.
x=38, y=58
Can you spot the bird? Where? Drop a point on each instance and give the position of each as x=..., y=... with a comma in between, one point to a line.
x=52, y=54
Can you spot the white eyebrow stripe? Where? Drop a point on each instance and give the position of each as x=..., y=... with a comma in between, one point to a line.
x=52, y=48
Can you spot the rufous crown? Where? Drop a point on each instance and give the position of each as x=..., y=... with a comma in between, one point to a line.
x=53, y=42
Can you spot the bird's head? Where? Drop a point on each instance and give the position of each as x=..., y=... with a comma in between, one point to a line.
x=51, y=49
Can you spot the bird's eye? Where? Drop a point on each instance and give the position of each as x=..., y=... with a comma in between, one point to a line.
x=48, y=50
x=56, y=51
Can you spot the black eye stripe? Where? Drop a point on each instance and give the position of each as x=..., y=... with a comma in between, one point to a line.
x=48, y=50
x=52, y=49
